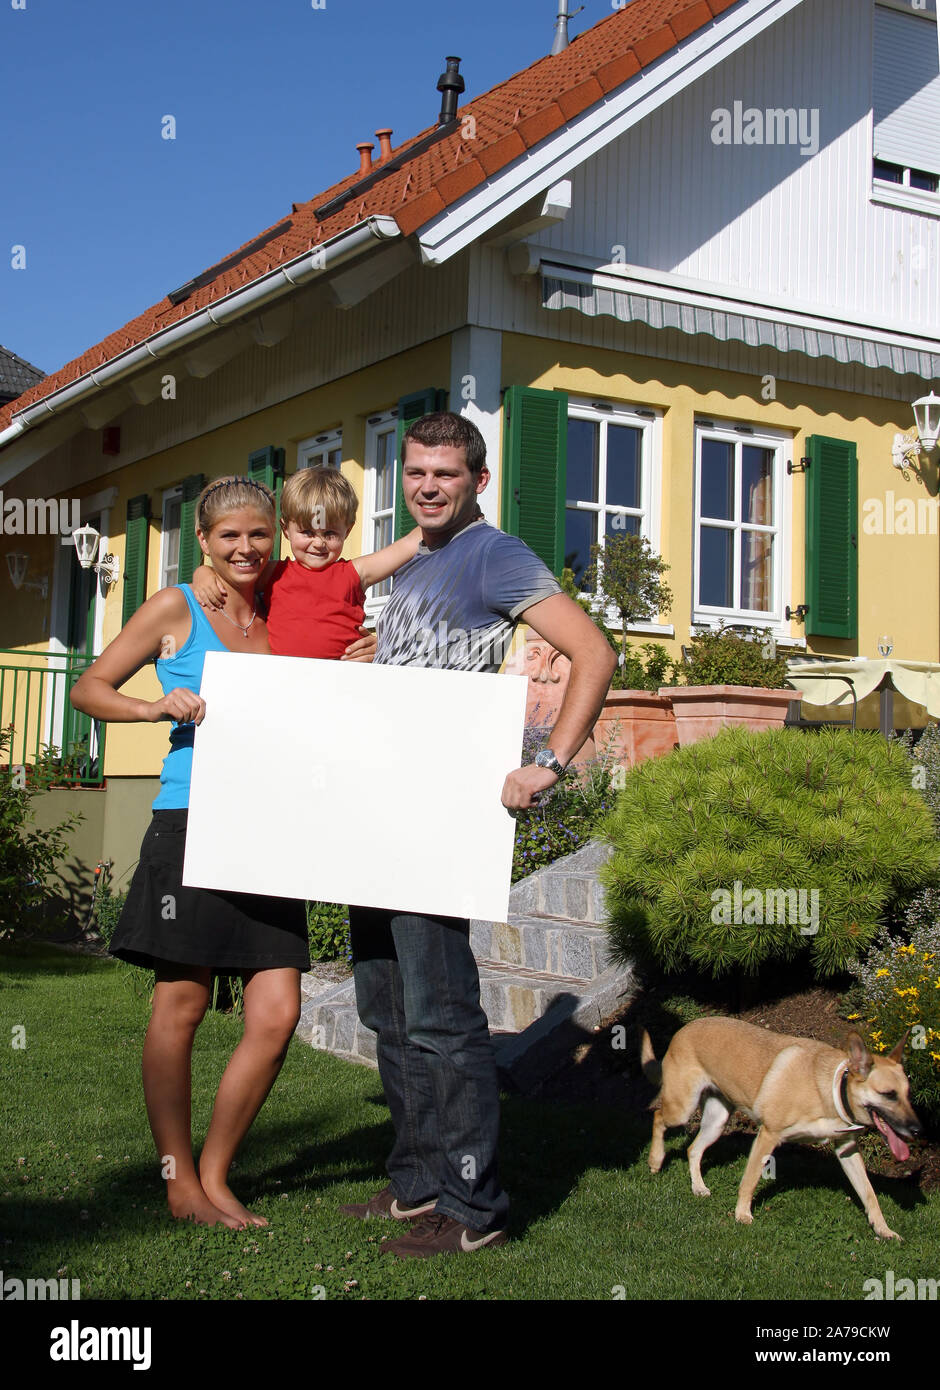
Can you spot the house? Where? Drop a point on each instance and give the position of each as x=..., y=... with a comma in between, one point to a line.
x=16, y=375
x=684, y=275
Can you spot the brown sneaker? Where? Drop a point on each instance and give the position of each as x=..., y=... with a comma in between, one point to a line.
x=439, y=1234
x=387, y=1206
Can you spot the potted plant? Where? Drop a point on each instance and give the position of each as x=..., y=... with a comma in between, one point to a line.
x=732, y=677
x=637, y=715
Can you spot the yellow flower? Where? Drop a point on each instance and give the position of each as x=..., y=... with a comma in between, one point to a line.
x=881, y=972
x=851, y=1016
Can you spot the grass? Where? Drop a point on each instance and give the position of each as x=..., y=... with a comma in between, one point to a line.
x=80, y=1191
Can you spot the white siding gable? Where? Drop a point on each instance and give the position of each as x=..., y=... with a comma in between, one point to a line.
x=766, y=221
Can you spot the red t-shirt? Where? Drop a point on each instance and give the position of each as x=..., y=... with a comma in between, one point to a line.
x=314, y=612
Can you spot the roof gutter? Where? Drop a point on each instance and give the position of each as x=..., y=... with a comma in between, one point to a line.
x=262, y=291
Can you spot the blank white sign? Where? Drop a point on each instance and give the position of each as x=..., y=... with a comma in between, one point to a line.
x=349, y=783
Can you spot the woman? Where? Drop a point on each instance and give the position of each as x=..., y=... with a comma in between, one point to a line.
x=186, y=933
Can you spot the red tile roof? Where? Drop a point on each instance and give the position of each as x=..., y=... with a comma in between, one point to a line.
x=510, y=118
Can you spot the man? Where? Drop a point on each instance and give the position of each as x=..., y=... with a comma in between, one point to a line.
x=417, y=985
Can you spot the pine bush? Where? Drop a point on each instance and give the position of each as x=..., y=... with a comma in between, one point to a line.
x=713, y=842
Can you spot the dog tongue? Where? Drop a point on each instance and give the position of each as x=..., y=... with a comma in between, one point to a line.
x=895, y=1143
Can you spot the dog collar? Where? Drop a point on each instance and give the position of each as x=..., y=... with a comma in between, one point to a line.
x=839, y=1101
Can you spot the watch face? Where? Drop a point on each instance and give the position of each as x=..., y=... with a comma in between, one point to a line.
x=546, y=758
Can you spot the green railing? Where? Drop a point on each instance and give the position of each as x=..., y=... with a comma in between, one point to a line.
x=49, y=737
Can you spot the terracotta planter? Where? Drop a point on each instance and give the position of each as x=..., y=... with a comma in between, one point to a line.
x=701, y=710
x=641, y=724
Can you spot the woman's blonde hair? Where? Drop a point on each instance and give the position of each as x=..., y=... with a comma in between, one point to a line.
x=320, y=497
x=232, y=494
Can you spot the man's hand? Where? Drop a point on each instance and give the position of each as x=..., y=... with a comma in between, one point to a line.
x=209, y=590
x=363, y=649
x=526, y=782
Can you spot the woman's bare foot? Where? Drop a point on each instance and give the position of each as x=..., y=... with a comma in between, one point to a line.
x=224, y=1198
x=194, y=1205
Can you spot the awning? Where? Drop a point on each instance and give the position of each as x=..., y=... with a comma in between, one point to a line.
x=693, y=313
x=917, y=681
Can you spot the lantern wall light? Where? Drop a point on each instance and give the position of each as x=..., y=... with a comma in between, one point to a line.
x=908, y=449
x=17, y=565
x=86, y=540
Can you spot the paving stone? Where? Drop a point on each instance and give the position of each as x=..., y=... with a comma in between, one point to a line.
x=577, y=898
x=344, y=1037
x=506, y=944
x=553, y=898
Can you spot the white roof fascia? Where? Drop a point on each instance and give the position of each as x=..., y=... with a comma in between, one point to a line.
x=271, y=286
x=539, y=168
x=654, y=286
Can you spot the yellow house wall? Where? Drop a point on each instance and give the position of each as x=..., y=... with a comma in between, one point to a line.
x=135, y=749
x=898, y=575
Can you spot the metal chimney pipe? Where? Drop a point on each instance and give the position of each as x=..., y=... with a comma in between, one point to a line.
x=451, y=84
x=561, y=39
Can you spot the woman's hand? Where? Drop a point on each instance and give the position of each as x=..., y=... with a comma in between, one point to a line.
x=363, y=649
x=182, y=705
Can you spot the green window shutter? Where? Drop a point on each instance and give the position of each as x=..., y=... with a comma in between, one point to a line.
x=535, y=453
x=411, y=408
x=832, y=537
x=190, y=552
x=135, y=555
x=267, y=466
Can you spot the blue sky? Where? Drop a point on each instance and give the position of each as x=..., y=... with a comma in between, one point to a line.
x=270, y=98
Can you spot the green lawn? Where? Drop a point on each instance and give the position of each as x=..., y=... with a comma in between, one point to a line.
x=80, y=1192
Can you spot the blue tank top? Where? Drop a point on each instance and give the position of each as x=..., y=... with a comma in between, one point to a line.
x=184, y=670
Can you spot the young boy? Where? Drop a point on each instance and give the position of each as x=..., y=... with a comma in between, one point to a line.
x=315, y=601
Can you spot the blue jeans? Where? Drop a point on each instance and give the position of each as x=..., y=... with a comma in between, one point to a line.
x=418, y=988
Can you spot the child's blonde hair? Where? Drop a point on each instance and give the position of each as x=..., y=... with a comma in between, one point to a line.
x=232, y=494
x=319, y=497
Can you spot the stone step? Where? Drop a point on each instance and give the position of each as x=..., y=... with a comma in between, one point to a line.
x=538, y=943
x=567, y=891
x=513, y=997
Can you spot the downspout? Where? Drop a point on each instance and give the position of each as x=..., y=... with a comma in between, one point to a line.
x=219, y=314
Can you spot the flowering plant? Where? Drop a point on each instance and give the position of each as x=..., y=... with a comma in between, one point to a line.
x=899, y=989
x=565, y=816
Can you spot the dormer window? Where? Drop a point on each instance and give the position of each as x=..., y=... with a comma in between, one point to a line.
x=905, y=108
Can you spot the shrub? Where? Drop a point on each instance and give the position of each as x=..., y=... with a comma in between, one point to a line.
x=647, y=672
x=731, y=658
x=925, y=773
x=108, y=908
x=566, y=815
x=702, y=836
x=28, y=856
x=328, y=928
x=899, y=988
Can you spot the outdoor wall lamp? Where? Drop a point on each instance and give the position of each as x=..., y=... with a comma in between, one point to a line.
x=927, y=415
x=18, y=564
x=86, y=540
x=906, y=451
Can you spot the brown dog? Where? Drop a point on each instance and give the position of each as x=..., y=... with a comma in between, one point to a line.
x=794, y=1088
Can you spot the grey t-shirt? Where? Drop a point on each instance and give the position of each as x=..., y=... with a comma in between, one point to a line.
x=456, y=607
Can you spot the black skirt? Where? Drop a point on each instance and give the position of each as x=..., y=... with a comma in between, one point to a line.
x=229, y=932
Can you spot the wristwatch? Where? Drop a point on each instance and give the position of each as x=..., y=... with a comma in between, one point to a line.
x=546, y=758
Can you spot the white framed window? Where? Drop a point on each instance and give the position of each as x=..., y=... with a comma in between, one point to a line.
x=613, y=479
x=378, y=511
x=323, y=450
x=170, y=537
x=742, y=530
